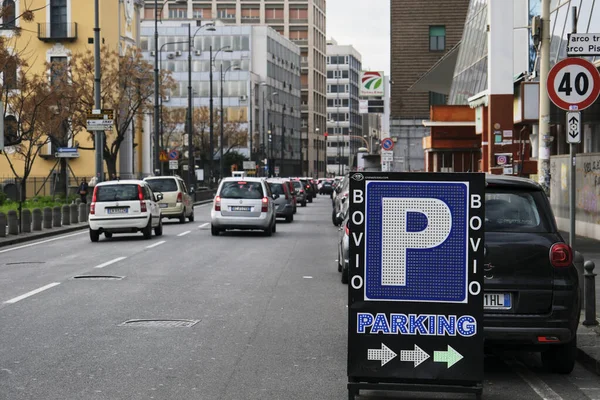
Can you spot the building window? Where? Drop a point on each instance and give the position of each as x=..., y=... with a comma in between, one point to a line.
x=9, y=75
x=8, y=16
x=178, y=13
x=437, y=38
x=58, y=18
x=58, y=69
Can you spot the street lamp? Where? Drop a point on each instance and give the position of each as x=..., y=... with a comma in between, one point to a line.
x=226, y=49
x=318, y=145
x=232, y=67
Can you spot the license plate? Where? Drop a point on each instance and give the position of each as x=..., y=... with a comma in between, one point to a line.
x=240, y=208
x=497, y=301
x=121, y=210
x=163, y=205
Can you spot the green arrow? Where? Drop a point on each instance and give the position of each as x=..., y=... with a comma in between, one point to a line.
x=451, y=356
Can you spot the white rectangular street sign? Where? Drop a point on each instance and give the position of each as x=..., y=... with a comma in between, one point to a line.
x=173, y=164
x=99, y=124
x=387, y=155
x=583, y=44
x=249, y=165
x=363, y=106
x=573, y=127
x=66, y=155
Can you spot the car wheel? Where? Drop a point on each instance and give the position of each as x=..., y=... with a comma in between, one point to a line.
x=289, y=218
x=334, y=219
x=158, y=231
x=274, y=229
x=268, y=231
x=304, y=204
x=214, y=231
x=108, y=235
x=310, y=199
x=147, y=231
x=345, y=273
x=560, y=358
x=191, y=217
x=295, y=209
x=182, y=217
x=94, y=235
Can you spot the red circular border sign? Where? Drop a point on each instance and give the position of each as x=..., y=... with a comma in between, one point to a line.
x=594, y=92
x=387, y=140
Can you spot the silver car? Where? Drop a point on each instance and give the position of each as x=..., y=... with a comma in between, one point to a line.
x=344, y=248
x=243, y=203
x=284, y=204
x=300, y=192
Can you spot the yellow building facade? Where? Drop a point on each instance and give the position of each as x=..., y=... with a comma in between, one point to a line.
x=61, y=28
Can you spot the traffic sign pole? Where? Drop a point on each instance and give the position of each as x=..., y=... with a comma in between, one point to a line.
x=573, y=126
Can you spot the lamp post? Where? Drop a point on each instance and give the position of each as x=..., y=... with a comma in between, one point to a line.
x=221, y=164
x=99, y=136
x=282, y=141
x=211, y=129
x=318, y=145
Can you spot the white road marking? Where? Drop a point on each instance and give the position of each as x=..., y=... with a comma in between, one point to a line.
x=307, y=277
x=106, y=264
x=184, y=233
x=156, y=244
x=539, y=386
x=203, y=225
x=28, y=294
x=204, y=205
x=42, y=242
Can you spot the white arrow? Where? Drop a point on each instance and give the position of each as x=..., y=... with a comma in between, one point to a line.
x=384, y=355
x=417, y=355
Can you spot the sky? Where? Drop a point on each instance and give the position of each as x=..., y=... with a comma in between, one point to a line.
x=365, y=24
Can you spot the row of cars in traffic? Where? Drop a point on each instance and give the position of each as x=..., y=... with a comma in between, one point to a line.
x=531, y=296
x=241, y=202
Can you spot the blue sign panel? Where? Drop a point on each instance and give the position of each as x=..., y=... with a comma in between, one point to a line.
x=417, y=236
x=387, y=144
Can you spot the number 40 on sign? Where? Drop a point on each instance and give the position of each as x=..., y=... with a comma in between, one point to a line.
x=573, y=84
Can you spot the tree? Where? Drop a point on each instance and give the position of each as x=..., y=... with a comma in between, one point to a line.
x=172, y=126
x=127, y=88
x=233, y=158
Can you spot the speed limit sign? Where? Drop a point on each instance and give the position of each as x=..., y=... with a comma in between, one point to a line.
x=573, y=84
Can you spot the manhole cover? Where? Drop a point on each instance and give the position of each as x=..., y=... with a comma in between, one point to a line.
x=161, y=323
x=26, y=262
x=99, y=277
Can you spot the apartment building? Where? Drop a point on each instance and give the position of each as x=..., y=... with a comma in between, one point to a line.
x=303, y=22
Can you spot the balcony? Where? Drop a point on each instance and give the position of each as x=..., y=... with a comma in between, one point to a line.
x=300, y=41
x=57, y=32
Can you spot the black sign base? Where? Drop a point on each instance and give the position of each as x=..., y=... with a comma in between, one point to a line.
x=355, y=387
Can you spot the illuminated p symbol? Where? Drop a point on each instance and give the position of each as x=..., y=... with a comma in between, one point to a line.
x=410, y=223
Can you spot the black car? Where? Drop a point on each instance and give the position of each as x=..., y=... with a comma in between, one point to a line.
x=326, y=187
x=309, y=189
x=531, y=287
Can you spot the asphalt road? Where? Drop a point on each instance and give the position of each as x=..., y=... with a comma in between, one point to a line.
x=270, y=317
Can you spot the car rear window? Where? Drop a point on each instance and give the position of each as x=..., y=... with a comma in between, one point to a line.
x=277, y=188
x=163, y=185
x=242, y=190
x=297, y=184
x=519, y=211
x=121, y=192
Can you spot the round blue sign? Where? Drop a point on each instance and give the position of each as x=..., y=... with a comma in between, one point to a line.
x=173, y=155
x=387, y=144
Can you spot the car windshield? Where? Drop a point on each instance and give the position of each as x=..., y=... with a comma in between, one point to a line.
x=163, y=185
x=121, y=192
x=297, y=184
x=241, y=190
x=277, y=188
x=513, y=212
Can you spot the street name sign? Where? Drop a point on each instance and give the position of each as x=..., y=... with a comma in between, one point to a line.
x=416, y=281
x=573, y=84
x=67, y=152
x=573, y=127
x=100, y=120
x=583, y=44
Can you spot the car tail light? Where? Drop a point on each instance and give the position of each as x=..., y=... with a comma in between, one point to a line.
x=265, y=204
x=141, y=197
x=218, y=203
x=548, y=339
x=346, y=195
x=561, y=255
x=301, y=190
x=347, y=230
x=93, y=205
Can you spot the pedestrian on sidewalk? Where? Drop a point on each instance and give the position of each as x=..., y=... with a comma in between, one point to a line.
x=83, y=190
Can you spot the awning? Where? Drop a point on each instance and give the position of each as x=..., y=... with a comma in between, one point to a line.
x=481, y=99
x=448, y=123
x=439, y=77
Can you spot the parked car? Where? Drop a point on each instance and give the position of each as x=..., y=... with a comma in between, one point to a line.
x=300, y=192
x=340, y=201
x=531, y=287
x=245, y=203
x=309, y=189
x=176, y=202
x=284, y=204
x=126, y=206
x=343, y=248
x=326, y=187
x=292, y=191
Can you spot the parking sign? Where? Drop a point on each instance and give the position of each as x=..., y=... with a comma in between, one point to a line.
x=415, y=296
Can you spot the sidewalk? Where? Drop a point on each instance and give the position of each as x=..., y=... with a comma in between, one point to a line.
x=588, y=337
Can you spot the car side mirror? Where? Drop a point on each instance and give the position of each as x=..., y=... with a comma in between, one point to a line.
x=275, y=196
x=343, y=200
x=339, y=217
x=159, y=196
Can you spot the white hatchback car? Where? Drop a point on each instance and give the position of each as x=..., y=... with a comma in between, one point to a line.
x=126, y=206
x=243, y=203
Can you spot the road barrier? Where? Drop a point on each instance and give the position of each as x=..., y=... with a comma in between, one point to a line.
x=13, y=222
x=56, y=217
x=83, y=212
x=66, y=215
x=2, y=224
x=74, y=213
x=26, y=220
x=47, y=218
x=37, y=219
x=590, y=294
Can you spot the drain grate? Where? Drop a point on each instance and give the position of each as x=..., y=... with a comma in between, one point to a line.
x=26, y=262
x=100, y=277
x=161, y=323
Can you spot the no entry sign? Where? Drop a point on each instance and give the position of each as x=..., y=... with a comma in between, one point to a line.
x=415, y=289
x=573, y=84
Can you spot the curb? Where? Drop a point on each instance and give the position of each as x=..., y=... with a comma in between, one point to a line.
x=589, y=362
x=588, y=347
x=28, y=237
